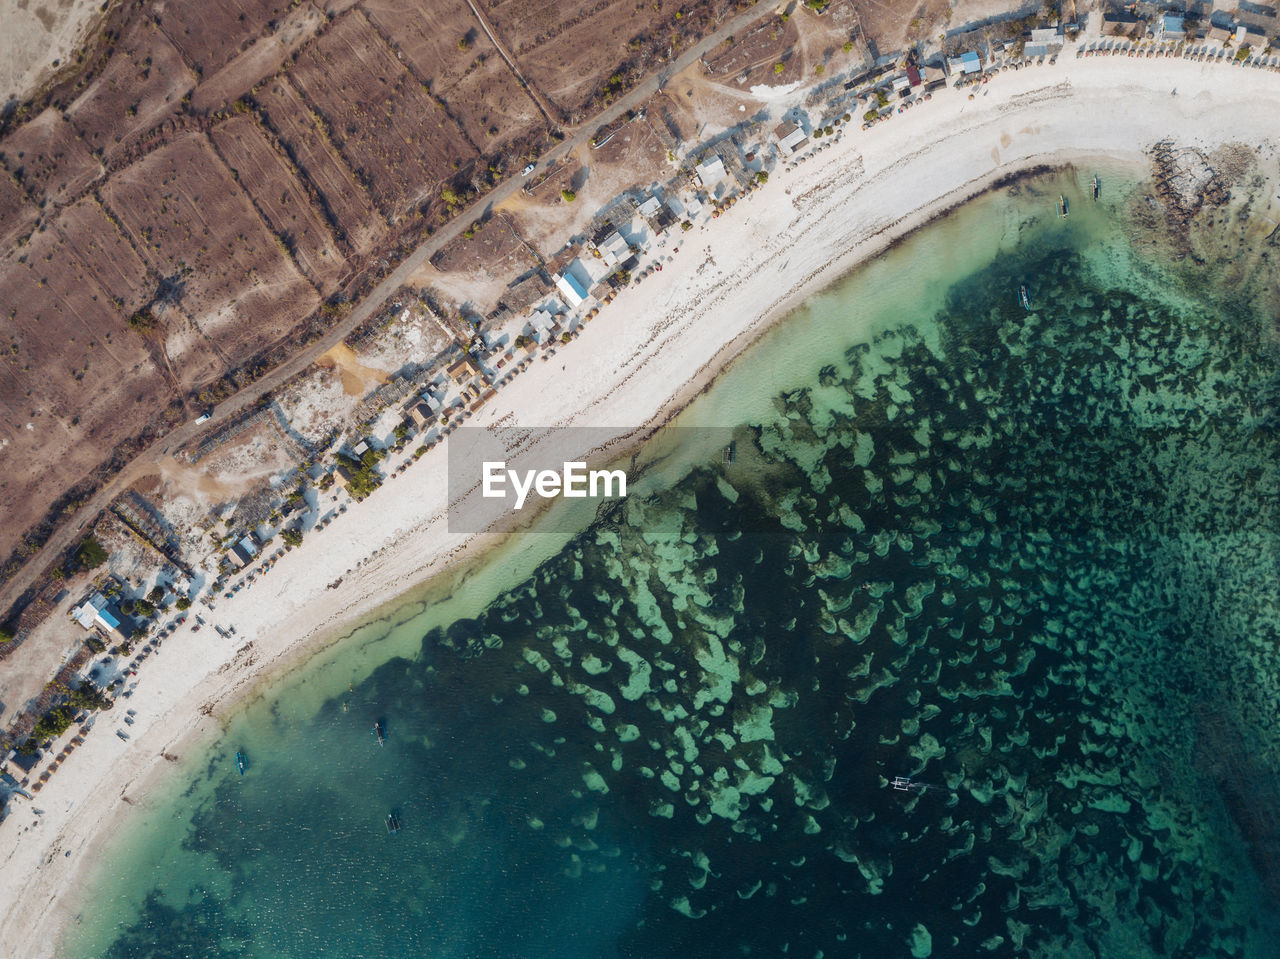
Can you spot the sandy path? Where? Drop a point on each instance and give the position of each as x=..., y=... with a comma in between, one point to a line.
x=644, y=357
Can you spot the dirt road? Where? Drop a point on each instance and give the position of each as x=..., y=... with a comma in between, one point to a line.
x=146, y=462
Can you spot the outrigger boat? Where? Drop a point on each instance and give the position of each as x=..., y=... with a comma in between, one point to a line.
x=1062, y=205
x=1095, y=188
x=1024, y=299
x=728, y=454
x=393, y=823
x=242, y=762
x=379, y=733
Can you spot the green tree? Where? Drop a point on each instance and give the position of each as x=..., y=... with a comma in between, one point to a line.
x=182, y=603
x=292, y=537
x=90, y=554
x=778, y=68
x=568, y=195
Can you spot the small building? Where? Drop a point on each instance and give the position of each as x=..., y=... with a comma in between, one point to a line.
x=790, y=138
x=913, y=76
x=360, y=449
x=613, y=249
x=575, y=283
x=964, y=65
x=419, y=414
x=543, y=325
x=463, y=371
x=1218, y=35
x=710, y=172
x=482, y=398
x=1250, y=37
x=650, y=207
x=934, y=75
x=98, y=614
x=901, y=85
x=342, y=475
x=1172, y=27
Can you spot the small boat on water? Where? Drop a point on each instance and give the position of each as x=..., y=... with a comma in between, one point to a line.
x=379, y=733
x=393, y=823
x=1096, y=188
x=242, y=762
x=1024, y=299
x=1062, y=205
x=728, y=454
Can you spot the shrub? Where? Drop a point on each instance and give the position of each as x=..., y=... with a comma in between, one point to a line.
x=870, y=115
x=778, y=68
x=292, y=537
x=182, y=603
x=568, y=195
x=762, y=177
x=848, y=45
x=686, y=226
x=95, y=644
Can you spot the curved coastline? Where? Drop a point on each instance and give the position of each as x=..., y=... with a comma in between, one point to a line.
x=643, y=360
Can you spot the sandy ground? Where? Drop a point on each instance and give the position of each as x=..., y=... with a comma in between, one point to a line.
x=36, y=34
x=645, y=356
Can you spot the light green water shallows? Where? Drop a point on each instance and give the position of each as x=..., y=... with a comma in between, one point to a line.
x=1028, y=559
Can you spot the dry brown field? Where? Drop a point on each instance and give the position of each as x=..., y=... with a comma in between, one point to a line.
x=209, y=35
x=196, y=227
x=76, y=380
x=49, y=157
x=347, y=204
x=274, y=186
x=89, y=231
x=398, y=140
x=142, y=85
x=570, y=49
x=752, y=55
x=427, y=34
x=17, y=214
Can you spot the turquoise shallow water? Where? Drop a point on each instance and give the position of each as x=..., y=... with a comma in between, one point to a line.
x=1025, y=558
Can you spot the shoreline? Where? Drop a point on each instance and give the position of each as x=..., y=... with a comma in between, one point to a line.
x=860, y=195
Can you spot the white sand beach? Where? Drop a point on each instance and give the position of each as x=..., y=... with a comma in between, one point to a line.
x=645, y=356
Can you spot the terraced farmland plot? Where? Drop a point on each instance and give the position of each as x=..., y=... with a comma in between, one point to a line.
x=492, y=107
x=49, y=157
x=196, y=227
x=211, y=34
x=17, y=216
x=399, y=142
x=345, y=201
x=428, y=34
x=141, y=85
x=126, y=280
x=569, y=49
x=68, y=394
x=273, y=185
